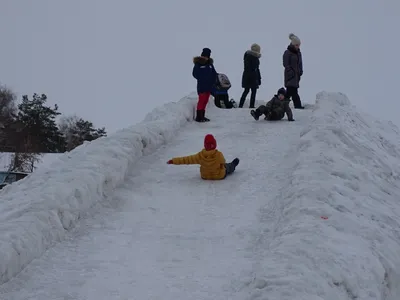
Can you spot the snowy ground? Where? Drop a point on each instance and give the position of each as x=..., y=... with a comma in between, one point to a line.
x=166, y=234
x=168, y=228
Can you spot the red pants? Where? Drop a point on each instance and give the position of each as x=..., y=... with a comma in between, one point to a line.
x=203, y=100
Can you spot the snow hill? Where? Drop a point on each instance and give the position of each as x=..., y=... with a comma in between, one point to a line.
x=311, y=213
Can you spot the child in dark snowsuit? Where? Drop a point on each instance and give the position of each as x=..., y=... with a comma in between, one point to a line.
x=220, y=92
x=275, y=109
x=212, y=162
x=221, y=100
x=204, y=72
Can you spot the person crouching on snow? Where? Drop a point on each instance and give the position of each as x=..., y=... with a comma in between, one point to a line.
x=212, y=162
x=204, y=72
x=275, y=109
x=220, y=92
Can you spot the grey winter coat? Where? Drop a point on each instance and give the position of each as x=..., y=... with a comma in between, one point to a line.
x=293, y=64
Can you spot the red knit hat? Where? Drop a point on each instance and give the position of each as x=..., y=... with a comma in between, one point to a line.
x=209, y=142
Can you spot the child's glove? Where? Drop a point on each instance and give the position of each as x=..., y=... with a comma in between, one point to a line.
x=170, y=162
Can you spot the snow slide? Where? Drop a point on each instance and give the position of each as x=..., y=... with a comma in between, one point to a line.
x=311, y=213
x=40, y=209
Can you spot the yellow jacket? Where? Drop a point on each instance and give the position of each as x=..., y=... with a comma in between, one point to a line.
x=212, y=163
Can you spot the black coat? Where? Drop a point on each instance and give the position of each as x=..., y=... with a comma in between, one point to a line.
x=293, y=64
x=251, y=77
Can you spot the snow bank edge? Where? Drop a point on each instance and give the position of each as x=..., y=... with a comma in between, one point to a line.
x=51, y=201
x=328, y=240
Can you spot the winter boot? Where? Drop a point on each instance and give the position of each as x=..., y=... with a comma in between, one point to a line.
x=255, y=114
x=200, y=116
x=235, y=162
x=204, y=118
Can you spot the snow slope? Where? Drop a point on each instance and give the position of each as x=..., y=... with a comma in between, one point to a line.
x=39, y=210
x=346, y=167
x=159, y=232
x=165, y=233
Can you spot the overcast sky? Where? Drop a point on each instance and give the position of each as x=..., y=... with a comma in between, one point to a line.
x=113, y=61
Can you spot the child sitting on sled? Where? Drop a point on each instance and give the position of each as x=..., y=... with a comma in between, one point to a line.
x=220, y=92
x=212, y=162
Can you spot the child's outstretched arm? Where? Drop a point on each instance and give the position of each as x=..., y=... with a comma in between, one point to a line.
x=185, y=160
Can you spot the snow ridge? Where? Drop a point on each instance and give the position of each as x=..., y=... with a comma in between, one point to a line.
x=334, y=233
x=47, y=205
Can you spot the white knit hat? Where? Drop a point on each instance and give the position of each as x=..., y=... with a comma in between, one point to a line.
x=294, y=39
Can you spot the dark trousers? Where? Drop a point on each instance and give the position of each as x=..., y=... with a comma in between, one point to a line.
x=230, y=168
x=252, y=97
x=222, y=101
x=292, y=92
x=271, y=115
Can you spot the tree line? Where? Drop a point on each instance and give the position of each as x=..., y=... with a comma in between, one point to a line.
x=29, y=129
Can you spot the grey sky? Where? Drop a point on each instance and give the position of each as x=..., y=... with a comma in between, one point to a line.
x=113, y=61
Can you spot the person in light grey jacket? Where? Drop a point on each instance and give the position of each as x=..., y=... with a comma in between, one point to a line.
x=293, y=64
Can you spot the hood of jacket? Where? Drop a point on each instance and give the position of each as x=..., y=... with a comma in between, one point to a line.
x=209, y=156
x=253, y=53
x=202, y=60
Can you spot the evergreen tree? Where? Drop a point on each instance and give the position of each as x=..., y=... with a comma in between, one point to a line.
x=39, y=121
x=76, y=130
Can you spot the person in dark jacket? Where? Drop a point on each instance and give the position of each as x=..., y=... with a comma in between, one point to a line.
x=204, y=72
x=293, y=64
x=251, y=78
x=275, y=109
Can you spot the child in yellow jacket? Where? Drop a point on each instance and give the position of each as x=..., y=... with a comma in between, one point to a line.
x=212, y=162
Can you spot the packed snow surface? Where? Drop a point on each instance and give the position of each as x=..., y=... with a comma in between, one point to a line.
x=40, y=209
x=312, y=212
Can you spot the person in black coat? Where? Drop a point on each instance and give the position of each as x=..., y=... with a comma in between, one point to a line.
x=251, y=78
x=293, y=70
